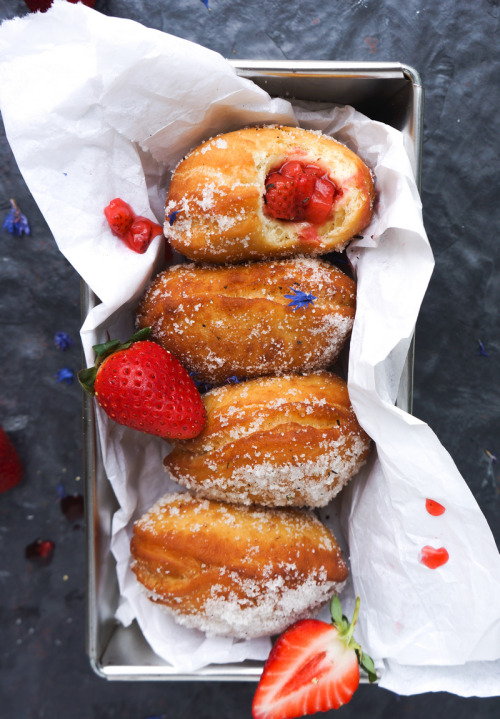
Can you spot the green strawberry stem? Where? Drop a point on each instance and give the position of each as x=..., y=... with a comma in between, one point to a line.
x=345, y=629
x=87, y=376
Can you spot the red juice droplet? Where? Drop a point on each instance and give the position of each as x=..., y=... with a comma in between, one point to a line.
x=434, y=507
x=433, y=557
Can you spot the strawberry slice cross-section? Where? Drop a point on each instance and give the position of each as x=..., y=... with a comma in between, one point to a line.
x=313, y=667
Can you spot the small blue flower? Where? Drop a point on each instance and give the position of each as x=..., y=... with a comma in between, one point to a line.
x=60, y=492
x=65, y=375
x=482, y=351
x=201, y=386
x=299, y=299
x=62, y=341
x=233, y=380
x=172, y=217
x=15, y=222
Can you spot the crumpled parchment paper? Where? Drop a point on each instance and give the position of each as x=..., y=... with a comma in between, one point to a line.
x=96, y=108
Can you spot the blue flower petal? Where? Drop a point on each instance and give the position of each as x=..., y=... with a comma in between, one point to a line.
x=65, y=375
x=62, y=341
x=482, y=350
x=15, y=222
x=299, y=299
x=172, y=217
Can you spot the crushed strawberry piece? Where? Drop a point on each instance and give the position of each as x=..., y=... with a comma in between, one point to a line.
x=299, y=193
x=136, y=232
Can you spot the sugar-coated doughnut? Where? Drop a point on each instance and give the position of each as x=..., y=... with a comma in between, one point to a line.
x=275, y=441
x=231, y=570
x=252, y=319
x=218, y=208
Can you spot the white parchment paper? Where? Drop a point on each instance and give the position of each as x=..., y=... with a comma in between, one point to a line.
x=97, y=108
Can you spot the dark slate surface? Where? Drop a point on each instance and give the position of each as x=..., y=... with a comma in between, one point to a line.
x=44, y=671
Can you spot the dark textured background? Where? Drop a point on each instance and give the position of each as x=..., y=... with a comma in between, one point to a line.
x=44, y=671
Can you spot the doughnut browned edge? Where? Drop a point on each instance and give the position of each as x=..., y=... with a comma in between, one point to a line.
x=217, y=195
x=237, y=320
x=234, y=571
x=276, y=441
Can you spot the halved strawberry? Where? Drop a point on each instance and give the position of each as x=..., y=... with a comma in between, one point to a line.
x=313, y=666
x=143, y=386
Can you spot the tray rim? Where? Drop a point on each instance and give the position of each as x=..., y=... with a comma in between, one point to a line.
x=248, y=670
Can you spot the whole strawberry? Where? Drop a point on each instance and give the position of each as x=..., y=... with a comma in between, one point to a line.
x=312, y=667
x=143, y=386
x=11, y=467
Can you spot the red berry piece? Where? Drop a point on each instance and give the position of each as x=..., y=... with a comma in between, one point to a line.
x=299, y=193
x=137, y=232
x=11, y=467
x=40, y=551
x=120, y=217
x=280, y=196
x=141, y=233
x=143, y=386
x=312, y=667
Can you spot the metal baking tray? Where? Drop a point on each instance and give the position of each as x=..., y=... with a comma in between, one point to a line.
x=388, y=92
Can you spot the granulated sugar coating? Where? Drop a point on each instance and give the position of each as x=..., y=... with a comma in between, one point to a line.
x=232, y=570
x=249, y=320
x=275, y=441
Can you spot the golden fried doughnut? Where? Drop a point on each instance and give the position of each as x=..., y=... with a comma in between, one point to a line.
x=216, y=209
x=275, y=441
x=237, y=320
x=234, y=571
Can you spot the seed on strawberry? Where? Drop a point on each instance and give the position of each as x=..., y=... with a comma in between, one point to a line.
x=143, y=386
x=312, y=667
x=11, y=467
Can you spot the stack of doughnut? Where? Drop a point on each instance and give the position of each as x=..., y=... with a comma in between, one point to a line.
x=256, y=314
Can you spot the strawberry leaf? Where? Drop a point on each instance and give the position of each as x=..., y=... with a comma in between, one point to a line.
x=86, y=377
x=336, y=610
x=106, y=348
x=366, y=663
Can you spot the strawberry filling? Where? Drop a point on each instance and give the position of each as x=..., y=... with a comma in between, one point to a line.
x=299, y=193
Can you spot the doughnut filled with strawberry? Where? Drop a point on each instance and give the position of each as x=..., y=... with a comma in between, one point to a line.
x=235, y=571
x=267, y=192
